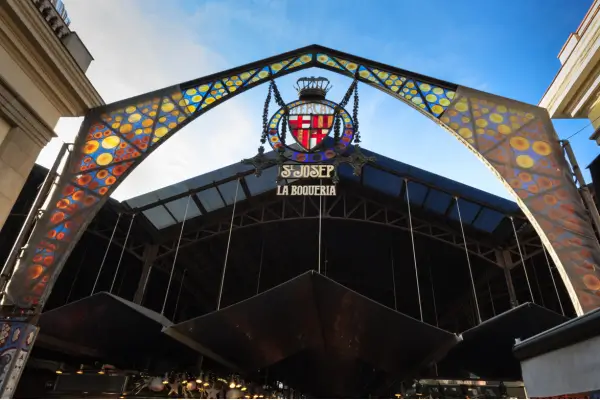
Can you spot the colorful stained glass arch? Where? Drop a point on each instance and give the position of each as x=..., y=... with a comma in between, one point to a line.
x=515, y=140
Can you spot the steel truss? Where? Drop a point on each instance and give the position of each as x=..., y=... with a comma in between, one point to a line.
x=345, y=206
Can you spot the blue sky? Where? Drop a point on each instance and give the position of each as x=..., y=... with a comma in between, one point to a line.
x=507, y=47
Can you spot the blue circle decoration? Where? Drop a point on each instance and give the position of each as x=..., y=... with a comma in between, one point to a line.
x=327, y=149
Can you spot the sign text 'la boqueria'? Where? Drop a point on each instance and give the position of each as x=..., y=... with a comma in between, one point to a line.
x=294, y=171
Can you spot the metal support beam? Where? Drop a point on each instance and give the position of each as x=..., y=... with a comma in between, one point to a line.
x=583, y=189
x=348, y=206
x=150, y=252
x=504, y=257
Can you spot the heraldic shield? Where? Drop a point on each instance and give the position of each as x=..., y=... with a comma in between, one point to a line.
x=310, y=124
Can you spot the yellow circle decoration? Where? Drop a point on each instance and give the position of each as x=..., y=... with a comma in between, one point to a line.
x=277, y=67
x=147, y=123
x=524, y=161
x=133, y=118
x=126, y=128
x=383, y=75
x=91, y=146
x=445, y=102
x=245, y=75
x=104, y=159
x=168, y=107
x=210, y=100
x=504, y=129
x=501, y=109
x=438, y=90
x=203, y=88
x=351, y=66
x=496, y=118
x=454, y=125
x=305, y=58
x=218, y=85
x=389, y=82
x=410, y=85
x=197, y=99
x=529, y=116
x=261, y=74
x=184, y=102
x=432, y=98
x=160, y=132
x=130, y=109
x=480, y=131
x=417, y=100
x=364, y=73
x=482, y=123
x=445, y=120
x=425, y=87
x=191, y=92
x=461, y=107
x=172, y=125
x=111, y=142
x=542, y=148
x=465, y=132
x=465, y=120
x=450, y=94
x=519, y=143
x=437, y=109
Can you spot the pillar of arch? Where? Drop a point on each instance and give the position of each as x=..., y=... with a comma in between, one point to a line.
x=516, y=141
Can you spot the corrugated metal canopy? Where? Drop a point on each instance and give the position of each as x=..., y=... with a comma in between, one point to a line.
x=481, y=210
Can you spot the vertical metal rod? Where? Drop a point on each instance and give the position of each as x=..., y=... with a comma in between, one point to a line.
x=583, y=189
x=106, y=253
x=179, y=295
x=228, y=244
x=26, y=230
x=77, y=274
x=320, y=225
x=262, y=251
x=412, y=240
x=522, y=259
x=491, y=298
x=122, y=252
x=187, y=205
x=434, y=302
x=394, y=280
x=553, y=280
x=462, y=229
x=537, y=282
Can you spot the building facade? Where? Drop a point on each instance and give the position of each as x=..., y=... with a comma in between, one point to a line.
x=575, y=91
x=42, y=78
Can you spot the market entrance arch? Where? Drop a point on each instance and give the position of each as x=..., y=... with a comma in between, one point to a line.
x=515, y=140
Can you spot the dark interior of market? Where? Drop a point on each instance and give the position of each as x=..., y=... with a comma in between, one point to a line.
x=279, y=321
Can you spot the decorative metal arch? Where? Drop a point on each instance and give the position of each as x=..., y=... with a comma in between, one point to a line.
x=515, y=140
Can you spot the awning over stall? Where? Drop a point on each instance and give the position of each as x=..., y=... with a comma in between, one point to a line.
x=309, y=317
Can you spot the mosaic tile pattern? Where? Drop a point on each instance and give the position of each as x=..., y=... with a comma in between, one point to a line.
x=515, y=139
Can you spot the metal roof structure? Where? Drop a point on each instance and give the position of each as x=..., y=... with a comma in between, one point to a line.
x=217, y=189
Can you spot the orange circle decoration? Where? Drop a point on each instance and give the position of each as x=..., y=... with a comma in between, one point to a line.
x=48, y=260
x=591, y=282
x=111, y=142
x=542, y=148
x=550, y=199
x=525, y=177
x=63, y=203
x=57, y=217
x=110, y=180
x=533, y=188
x=89, y=200
x=35, y=271
x=104, y=159
x=102, y=174
x=84, y=180
x=102, y=191
x=544, y=183
x=51, y=234
x=78, y=195
x=525, y=161
x=119, y=169
x=91, y=146
x=37, y=258
x=519, y=143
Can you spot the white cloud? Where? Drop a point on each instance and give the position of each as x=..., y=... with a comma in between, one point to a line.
x=139, y=47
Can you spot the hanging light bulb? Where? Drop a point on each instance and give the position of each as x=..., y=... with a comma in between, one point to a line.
x=199, y=378
x=60, y=369
x=80, y=370
x=165, y=380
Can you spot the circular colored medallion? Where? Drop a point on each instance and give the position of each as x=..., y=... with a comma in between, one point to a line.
x=309, y=126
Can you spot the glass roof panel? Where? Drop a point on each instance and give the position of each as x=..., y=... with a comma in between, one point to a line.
x=382, y=181
x=416, y=193
x=468, y=211
x=210, y=199
x=437, y=201
x=177, y=208
x=159, y=217
x=488, y=220
x=263, y=183
x=228, y=190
